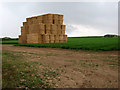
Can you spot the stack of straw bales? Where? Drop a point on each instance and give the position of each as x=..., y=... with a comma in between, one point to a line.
x=48, y=28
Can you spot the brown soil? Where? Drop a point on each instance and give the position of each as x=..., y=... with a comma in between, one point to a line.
x=79, y=69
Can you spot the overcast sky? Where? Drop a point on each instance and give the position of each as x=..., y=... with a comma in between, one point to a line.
x=80, y=18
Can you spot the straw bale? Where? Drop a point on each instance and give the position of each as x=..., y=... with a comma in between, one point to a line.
x=59, y=32
x=39, y=18
x=40, y=38
x=60, y=37
x=60, y=21
x=37, y=28
x=60, y=17
x=50, y=16
x=45, y=37
x=31, y=28
x=24, y=38
x=20, y=39
x=42, y=31
x=34, y=20
x=53, y=31
x=34, y=28
x=32, y=38
x=63, y=27
x=24, y=23
x=51, y=37
x=61, y=41
x=48, y=26
x=25, y=29
x=55, y=21
x=40, y=41
x=59, y=27
x=47, y=41
x=48, y=21
x=55, y=16
x=56, y=37
x=41, y=26
x=65, y=37
x=39, y=21
x=56, y=41
x=29, y=20
x=44, y=17
x=63, y=32
x=51, y=41
x=53, y=27
x=47, y=32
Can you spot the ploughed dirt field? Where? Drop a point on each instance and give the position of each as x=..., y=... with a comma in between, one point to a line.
x=72, y=69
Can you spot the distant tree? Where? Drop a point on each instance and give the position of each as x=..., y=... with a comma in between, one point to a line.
x=110, y=35
x=6, y=38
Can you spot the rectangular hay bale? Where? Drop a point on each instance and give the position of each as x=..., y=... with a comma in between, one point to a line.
x=51, y=41
x=55, y=16
x=42, y=31
x=20, y=39
x=47, y=41
x=34, y=20
x=32, y=38
x=63, y=32
x=60, y=21
x=53, y=31
x=40, y=38
x=45, y=37
x=49, y=16
x=60, y=37
x=40, y=18
x=41, y=26
x=56, y=41
x=60, y=17
x=24, y=23
x=61, y=41
x=53, y=27
x=59, y=32
x=63, y=27
x=24, y=38
x=56, y=37
x=51, y=37
x=47, y=32
x=39, y=21
x=65, y=38
x=48, y=27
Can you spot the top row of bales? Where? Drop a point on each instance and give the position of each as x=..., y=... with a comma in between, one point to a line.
x=45, y=19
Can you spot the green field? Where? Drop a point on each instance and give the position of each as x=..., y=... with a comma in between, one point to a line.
x=9, y=42
x=77, y=43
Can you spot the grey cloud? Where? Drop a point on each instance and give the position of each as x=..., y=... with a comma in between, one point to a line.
x=101, y=16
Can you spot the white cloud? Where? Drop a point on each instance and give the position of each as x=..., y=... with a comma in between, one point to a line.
x=10, y=26
x=74, y=30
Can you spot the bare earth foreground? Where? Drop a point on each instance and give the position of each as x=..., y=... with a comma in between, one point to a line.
x=76, y=69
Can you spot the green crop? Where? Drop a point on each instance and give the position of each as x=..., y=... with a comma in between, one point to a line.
x=87, y=43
